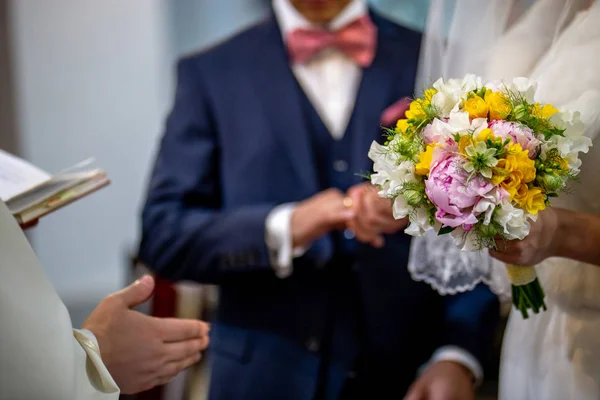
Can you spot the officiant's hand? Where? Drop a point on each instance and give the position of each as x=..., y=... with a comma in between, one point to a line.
x=444, y=380
x=141, y=351
x=319, y=215
x=372, y=215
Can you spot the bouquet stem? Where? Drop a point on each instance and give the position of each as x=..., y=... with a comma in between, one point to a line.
x=527, y=293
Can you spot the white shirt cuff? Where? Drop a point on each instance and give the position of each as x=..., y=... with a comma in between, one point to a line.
x=278, y=237
x=460, y=356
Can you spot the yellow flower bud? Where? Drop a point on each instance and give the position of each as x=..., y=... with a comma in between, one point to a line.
x=412, y=197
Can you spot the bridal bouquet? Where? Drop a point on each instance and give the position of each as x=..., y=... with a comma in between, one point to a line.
x=479, y=161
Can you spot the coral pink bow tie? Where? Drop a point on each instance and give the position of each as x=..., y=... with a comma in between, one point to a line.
x=357, y=40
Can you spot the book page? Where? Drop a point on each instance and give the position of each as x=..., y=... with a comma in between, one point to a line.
x=18, y=176
x=48, y=189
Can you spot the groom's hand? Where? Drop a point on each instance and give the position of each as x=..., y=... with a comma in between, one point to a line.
x=317, y=216
x=141, y=351
x=372, y=215
x=444, y=380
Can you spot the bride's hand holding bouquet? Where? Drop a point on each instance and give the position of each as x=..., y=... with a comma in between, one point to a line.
x=479, y=161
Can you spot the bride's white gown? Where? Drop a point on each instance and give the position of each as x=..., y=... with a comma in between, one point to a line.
x=555, y=355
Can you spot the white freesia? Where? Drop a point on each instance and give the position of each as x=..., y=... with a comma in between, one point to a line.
x=523, y=86
x=526, y=87
x=514, y=221
x=400, y=208
x=389, y=174
x=487, y=204
x=458, y=121
x=466, y=241
x=384, y=162
x=419, y=223
x=449, y=94
x=573, y=142
x=470, y=83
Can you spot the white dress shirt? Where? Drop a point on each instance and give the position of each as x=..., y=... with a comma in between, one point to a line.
x=330, y=81
x=41, y=356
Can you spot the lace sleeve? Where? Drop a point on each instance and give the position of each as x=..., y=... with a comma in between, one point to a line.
x=437, y=261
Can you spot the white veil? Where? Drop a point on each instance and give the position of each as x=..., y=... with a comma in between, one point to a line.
x=475, y=42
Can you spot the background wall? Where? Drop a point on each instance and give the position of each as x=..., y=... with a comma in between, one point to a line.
x=91, y=79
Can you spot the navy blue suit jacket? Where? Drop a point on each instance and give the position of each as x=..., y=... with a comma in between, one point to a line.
x=235, y=146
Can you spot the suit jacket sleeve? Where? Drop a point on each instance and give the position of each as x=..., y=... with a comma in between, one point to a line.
x=471, y=320
x=186, y=232
x=39, y=356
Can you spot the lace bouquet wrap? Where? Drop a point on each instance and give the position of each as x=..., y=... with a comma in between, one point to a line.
x=478, y=161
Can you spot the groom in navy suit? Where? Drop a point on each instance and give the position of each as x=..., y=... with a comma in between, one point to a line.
x=255, y=189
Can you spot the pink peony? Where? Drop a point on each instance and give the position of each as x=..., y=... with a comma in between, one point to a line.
x=452, y=192
x=517, y=133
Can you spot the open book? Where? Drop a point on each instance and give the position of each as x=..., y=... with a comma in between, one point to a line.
x=31, y=193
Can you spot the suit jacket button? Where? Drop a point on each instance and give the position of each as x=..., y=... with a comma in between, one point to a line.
x=313, y=345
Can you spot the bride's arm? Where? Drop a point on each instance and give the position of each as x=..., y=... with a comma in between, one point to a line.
x=578, y=236
x=556, y=233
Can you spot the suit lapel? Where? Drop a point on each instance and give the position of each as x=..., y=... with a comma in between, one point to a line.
x=278, y=91
x=375, y=93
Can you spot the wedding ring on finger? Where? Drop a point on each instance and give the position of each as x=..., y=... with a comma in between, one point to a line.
x=348, y=202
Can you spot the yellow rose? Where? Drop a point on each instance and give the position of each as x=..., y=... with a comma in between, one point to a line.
x=545, y=112
x=416, y=110
x=535, y=201
x=499, y=105
x=486, y=134
x=476, y=107
x=422, y=167
x=401, y=126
